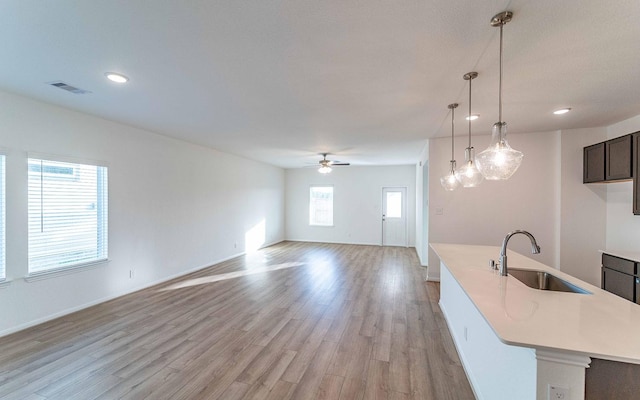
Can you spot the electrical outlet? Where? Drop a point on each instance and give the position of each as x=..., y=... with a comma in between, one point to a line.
x=131, y=274
x=235, y=245
x=439, y=211
x=558, y=393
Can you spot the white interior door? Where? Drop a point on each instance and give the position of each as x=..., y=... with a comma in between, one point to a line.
x=394, y=216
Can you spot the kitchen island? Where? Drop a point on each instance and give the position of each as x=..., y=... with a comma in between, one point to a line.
x=517, y=342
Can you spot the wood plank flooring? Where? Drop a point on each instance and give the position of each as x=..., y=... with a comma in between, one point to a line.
x=292, y=321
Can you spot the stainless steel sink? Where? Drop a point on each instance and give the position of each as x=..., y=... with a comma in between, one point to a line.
x=544, y=281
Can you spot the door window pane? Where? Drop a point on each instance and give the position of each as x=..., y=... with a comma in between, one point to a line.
x=394, y=205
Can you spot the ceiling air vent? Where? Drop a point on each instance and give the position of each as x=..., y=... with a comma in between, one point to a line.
x=69, y=88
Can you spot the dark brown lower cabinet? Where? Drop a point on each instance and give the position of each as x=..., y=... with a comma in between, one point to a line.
x=610, y=380
x=620, y=277
x=619, y=283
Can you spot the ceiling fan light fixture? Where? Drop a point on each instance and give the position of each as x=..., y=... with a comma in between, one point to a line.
x=499, y=161
x=326, y=165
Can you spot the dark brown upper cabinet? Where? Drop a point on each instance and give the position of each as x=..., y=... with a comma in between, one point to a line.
x=615, y=160
x=636, y=173
x=618, y=158
x=608, y=161
x=593, y=163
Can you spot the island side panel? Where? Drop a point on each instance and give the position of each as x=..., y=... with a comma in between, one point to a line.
x=495, y=370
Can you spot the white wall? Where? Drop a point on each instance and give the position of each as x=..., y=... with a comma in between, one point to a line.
x=357, y=203
x=583, y=223
x=173, y=207
x=422, y=206
x=572, y=221
x=623, y=228
x=485, y=214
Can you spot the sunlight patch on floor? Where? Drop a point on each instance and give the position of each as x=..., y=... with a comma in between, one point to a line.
x=229, y=275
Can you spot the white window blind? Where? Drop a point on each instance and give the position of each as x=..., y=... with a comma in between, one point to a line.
x=3, y=274
x=68, y=214
x=321, y=205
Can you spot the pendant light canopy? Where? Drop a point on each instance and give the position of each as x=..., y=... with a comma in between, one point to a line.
x=499, y=161
x=469, y=175
x=449, y=181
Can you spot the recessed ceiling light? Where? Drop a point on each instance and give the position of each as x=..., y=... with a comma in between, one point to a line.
x=562, y=111
x=472, y=117
x=115, y=77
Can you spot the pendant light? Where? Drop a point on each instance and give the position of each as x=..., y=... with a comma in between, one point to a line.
x=499, y=161
x=449, y=181
x=469, y=175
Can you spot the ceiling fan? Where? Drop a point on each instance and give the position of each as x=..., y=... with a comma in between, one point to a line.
x=325, y=165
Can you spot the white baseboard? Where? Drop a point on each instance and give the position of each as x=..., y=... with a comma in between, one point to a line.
x=123, y=293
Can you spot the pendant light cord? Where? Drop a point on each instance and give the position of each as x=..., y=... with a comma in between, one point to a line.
x=500, y=85
x=452, y=114
x=469, y=117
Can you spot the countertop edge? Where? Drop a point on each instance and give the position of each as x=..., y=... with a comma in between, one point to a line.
x=590, y=351
x=626, y=254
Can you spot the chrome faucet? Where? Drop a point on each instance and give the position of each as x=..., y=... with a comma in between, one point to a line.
x=535, y=249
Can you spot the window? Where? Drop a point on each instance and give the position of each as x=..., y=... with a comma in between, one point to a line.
x=321, y=205
x=67, y=214
x=3, y=274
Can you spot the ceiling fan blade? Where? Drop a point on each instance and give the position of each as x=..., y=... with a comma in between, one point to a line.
x=327, y=163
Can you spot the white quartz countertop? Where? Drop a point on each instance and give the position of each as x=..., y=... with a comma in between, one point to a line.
x=626, y=254
x=599, y=325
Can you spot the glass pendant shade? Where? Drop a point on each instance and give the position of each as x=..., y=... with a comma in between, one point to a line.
x=469, y=175
x=449, y=181
x=499, y=161
x=325, y=169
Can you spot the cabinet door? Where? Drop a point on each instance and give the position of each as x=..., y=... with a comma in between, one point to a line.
x=618, y=158
x=618, y=283
x=636, y=173
x=593, y=163
x=619, y=264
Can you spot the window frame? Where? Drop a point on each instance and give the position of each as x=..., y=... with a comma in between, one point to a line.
x=3, y=217
x=313, y=222
x=101, y=216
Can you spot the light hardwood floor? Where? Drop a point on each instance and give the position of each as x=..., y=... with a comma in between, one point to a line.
x=292, y=321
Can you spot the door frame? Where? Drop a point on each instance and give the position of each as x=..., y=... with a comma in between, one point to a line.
x=404, y=208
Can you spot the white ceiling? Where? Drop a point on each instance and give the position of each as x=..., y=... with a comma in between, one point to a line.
x=370, y=81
